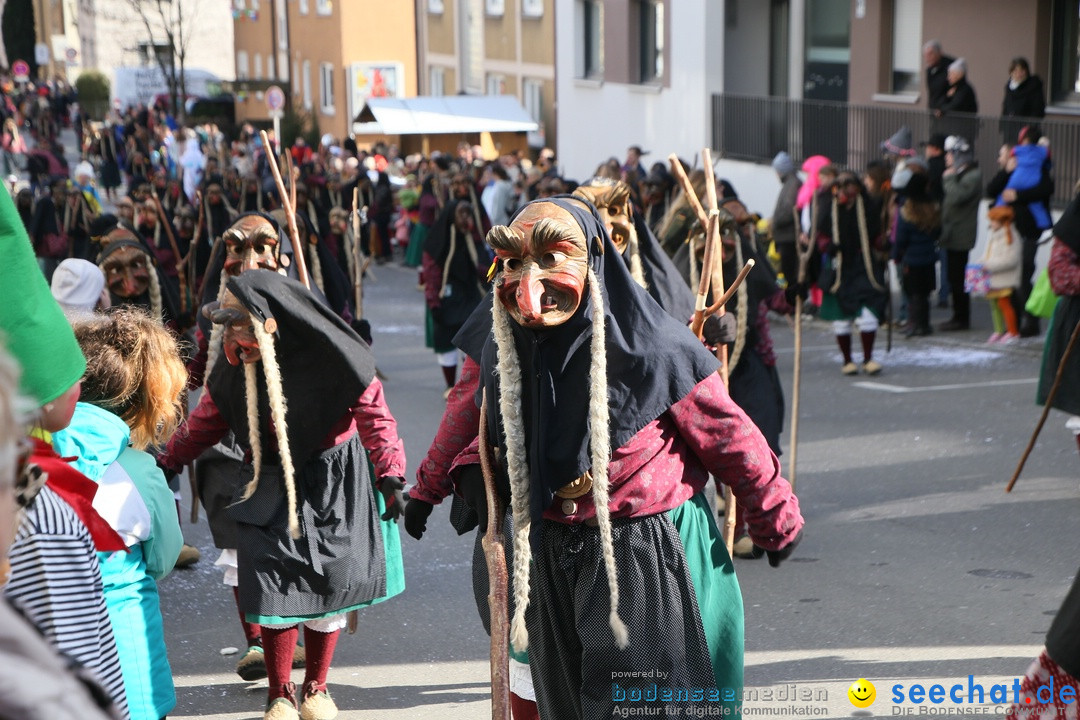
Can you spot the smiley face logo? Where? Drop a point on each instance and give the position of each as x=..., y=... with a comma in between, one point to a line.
x=862, y=693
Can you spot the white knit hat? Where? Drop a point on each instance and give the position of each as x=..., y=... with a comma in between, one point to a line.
x=77, y=285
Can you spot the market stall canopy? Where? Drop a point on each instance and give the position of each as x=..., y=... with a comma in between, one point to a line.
x=447, y=114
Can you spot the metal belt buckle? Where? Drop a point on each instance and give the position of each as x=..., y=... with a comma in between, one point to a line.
x=576, y=488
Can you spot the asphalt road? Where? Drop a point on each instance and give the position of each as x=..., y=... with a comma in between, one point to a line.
x=915, y=564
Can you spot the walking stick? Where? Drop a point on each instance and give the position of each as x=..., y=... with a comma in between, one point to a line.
x=180, y=271
x=793, y=448
x=498, y=582
x=359, y=268
x=1046, y=405
x=716, y=273
x=290, y=217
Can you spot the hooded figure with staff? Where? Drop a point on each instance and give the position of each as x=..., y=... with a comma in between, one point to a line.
x=608, y=417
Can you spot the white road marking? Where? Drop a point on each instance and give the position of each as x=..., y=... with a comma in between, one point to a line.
x=886, y=387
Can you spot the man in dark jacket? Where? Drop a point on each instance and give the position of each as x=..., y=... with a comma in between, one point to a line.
x=784, y=231
x=937, y=68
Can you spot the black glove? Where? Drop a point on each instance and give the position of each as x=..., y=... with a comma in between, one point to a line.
x=416, y=515
x=363, y=329
x=720, y=329
x=470, y=484
x=776, y=556
x=391, y=488
x=796, y=290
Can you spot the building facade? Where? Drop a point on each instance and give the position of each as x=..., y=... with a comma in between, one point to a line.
x=492, y=47
x=110, y=34
x=329, y=56
x=751, y=77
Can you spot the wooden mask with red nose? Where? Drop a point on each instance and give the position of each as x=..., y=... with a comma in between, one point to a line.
x=543, y=261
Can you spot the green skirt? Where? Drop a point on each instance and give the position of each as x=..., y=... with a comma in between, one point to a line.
x=717, y=589
x=414, y=253
x=719, y=598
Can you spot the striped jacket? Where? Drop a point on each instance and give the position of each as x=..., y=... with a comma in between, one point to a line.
x=55, y=582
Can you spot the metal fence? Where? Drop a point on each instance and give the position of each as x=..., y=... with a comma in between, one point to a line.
x=753, y=128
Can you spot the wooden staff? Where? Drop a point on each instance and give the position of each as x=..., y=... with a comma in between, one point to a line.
x=1046, y=405
x=180, y=271
x=688, y=189
x=498, y=581
x=290, y=217
x=716, y=271
x=804, y=260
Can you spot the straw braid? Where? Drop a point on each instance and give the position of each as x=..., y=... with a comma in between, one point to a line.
x=600, y=454
x=155, y=294
x=509, y=370
x=213, y=347
x=839, y=259
x=277, y=414
x=251, y=396
x=864, y=243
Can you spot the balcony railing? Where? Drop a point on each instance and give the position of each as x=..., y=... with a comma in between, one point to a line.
x=756, y=128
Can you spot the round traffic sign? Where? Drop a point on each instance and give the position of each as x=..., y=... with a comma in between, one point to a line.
x=275, y=98
x=20, y=69
x=71, y=53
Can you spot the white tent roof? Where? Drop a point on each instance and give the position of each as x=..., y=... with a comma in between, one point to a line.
x=448, y=114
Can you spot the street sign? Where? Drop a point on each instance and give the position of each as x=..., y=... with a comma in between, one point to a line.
x=275, y=98
x=21, y=70
x=41, y=53
x=71, y=53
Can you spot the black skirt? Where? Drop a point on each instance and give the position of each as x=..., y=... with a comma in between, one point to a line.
x=337, y=564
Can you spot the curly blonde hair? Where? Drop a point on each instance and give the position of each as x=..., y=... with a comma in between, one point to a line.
x=133, y=370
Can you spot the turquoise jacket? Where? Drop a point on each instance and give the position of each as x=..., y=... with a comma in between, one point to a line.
x=99, y=441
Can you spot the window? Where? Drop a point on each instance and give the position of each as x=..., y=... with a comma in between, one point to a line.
x=907, y=46
x=590, y=54
x=435, y=6
x=307, y=85
x=495, y=7
x=296, y=74
x=254, y=4
x=496, y=84
x=241, y=65
x=257, y=59
x=533, y=98
x=326, y=89
x=651, y=41
x=282, y=14
x=437, y=82
x=270, y=68
x=532, y=8
x=239, y=4
x=303, y=7
x=1064, y=52
x=324, y=7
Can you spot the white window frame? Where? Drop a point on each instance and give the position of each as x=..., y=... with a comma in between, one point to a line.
x=495, y=8
x=496, y=84
x=239, y=4
x=326, y=89
x=241, y=65
x=907, y=46
x=303, y=7
x=257, y=69
x=270, y=67
x=656, y=52
x=324, y=7
x=532, y=98
x=581, y=62
x=436, y=81
x=435, y=7
x=306, y=70
x=296, y=77
x=254, y=4
x=532, y=8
